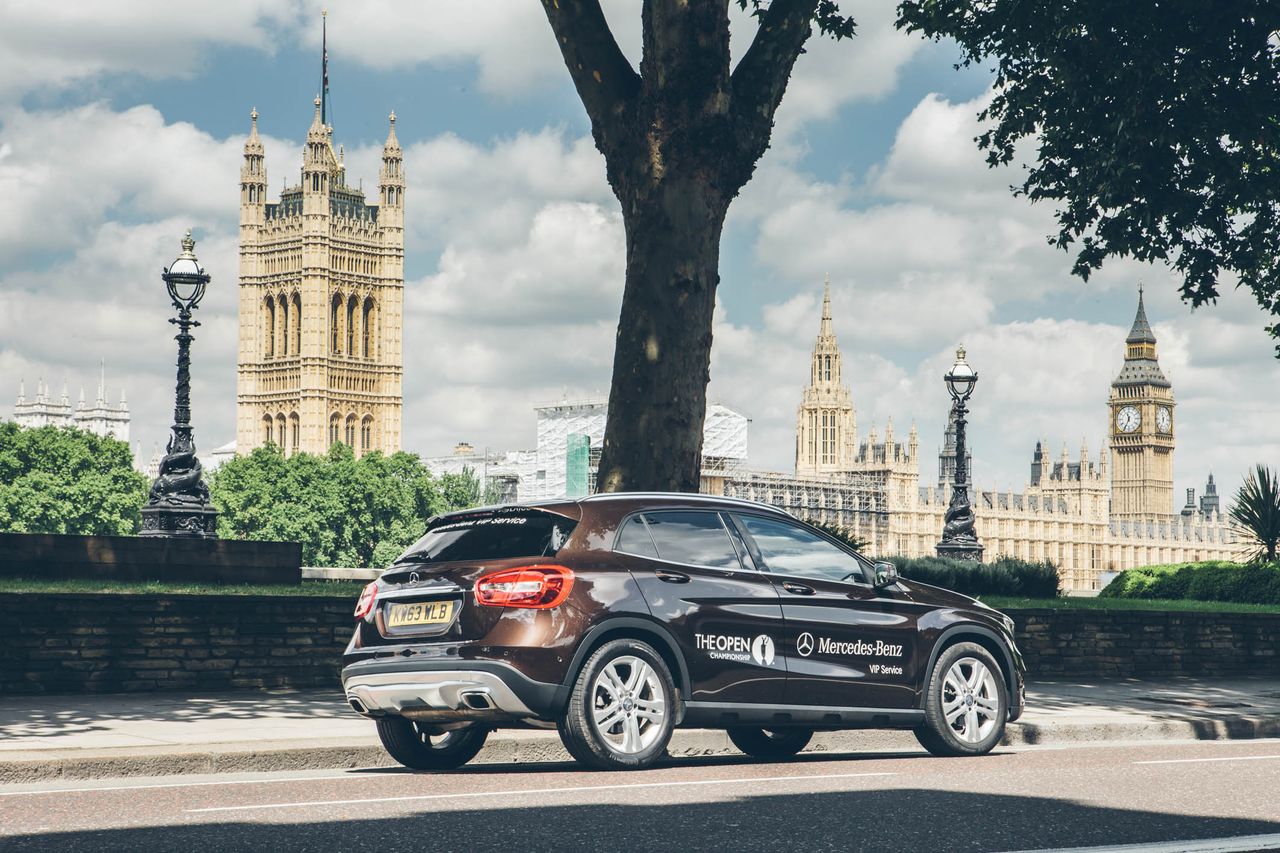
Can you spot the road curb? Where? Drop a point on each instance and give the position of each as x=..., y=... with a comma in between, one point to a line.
x=525, y=747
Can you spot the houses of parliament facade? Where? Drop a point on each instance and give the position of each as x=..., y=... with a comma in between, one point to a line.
x=321, y=302
x=1089, y=516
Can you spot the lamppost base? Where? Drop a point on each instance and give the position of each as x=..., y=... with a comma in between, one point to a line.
x=190, y=522
x=970, y=551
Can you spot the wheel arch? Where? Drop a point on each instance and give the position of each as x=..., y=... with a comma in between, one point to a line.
x=629, y=628
x=969, y=632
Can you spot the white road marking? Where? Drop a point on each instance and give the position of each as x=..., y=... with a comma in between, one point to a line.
x=571, y=790
x=1234, y=844
x=1199, y=760
x=194, y=784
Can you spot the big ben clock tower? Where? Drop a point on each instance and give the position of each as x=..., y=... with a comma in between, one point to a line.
x=1141, y=406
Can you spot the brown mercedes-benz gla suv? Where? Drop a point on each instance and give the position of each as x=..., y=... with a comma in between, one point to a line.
x=616, y=618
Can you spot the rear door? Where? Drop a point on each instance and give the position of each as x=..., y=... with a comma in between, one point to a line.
x=698, y=580
x=846, y=644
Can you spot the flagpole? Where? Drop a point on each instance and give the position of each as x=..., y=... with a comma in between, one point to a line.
x=324, y=67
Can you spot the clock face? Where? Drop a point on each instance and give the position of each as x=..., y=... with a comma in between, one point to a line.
x=1128, y=419
x=1164, y=421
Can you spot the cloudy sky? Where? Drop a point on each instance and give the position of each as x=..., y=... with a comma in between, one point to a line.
x=122, y=123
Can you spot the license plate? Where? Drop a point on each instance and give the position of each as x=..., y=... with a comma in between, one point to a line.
x=419, y=613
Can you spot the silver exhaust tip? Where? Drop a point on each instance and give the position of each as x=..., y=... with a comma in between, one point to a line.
x=478, y=700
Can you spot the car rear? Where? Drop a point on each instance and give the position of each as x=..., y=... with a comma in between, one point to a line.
x=471, y=623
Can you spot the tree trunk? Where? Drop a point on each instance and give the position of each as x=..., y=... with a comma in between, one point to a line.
x=662, y=358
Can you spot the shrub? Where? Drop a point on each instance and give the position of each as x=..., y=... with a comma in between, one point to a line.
x=1004, y=576
x=1257, y=583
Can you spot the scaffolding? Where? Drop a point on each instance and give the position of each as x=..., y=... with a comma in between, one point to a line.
x=853, y=502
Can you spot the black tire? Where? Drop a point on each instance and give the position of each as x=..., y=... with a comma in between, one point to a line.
x=947, y=737
x=410, y=744
x=770, y=744
x=580, y=730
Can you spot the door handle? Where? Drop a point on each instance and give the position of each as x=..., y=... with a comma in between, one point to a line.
x=797, y=588
x=671, y=577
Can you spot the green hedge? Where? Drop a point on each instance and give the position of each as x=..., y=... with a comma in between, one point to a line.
x=1004, y=576
x=1257, y=583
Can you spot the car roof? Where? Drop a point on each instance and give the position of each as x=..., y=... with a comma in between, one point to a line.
x=652, y=500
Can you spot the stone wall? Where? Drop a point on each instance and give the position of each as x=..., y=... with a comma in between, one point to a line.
x=74, y=643
x=1139, y=643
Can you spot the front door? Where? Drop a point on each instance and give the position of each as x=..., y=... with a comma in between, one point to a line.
x=692, y=567
x=846, y=644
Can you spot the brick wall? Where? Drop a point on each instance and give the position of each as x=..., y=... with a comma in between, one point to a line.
x=95, y=643
x=1116, y=643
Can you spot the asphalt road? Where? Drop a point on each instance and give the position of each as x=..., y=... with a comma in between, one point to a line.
x=1031, y=798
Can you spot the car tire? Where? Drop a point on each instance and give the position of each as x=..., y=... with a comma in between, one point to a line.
x=769, y=744
x=966, y=703
x=622, y=708
x=410, y=744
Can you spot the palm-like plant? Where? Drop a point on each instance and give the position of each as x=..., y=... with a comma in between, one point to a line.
x=1257, y=511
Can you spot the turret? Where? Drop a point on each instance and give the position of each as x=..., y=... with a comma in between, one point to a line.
x=391, y=183
x=319, y=164
x=253, y=177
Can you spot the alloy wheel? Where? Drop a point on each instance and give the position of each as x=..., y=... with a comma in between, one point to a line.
x=627, y=705
x=970, y=700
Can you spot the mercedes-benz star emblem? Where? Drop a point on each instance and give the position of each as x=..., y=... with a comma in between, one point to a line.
x=804, y=644
x=414, y=577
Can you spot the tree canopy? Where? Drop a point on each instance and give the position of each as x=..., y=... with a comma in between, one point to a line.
x=66, y=480
x=1155, y=123
x=345, y=511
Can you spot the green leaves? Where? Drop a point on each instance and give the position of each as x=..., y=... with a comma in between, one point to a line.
x=345, y=511
x=65, y=480
x=1257, y=511
x=1155, y=125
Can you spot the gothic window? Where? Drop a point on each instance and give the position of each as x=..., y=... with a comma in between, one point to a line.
x=269, y=342
x=333, y=429
x=828, y=368
x=297, y=324
x=351, y=326
x=366, y=327
x=335, y=314
x=295, y=428
x=284, y=328
x=280, y=432
x=350, y=431
x=266, y=429
x=366, y=434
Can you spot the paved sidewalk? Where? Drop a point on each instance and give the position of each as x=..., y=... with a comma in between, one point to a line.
x=86, y=736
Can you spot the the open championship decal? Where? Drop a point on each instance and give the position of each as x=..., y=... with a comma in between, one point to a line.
x=759, y=650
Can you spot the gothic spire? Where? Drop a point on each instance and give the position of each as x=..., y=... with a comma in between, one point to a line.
x=1141, y=332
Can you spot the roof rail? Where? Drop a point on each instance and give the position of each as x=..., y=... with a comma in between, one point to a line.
x=684, y=496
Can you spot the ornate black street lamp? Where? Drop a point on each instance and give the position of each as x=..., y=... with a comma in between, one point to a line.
x=959, y=537
x=179, y=502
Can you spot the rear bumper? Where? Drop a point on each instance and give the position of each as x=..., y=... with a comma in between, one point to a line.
x=446, y=691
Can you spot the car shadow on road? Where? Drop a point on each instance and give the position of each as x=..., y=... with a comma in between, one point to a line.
x=864, y=820
x=570, y=766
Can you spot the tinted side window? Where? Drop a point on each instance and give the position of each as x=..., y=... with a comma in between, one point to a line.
x=634, y=539
x=696, y=538
x=791, y=550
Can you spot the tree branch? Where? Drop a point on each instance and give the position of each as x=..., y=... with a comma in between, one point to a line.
x=760, y=80
x=605, y=80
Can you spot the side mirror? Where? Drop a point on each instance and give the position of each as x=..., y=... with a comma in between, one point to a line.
x=886, y=574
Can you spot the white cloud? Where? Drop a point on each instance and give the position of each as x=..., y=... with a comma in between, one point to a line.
x=47, y=46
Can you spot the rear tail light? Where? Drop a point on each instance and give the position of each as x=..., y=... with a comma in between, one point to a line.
x=539, y=587
x=368, y=596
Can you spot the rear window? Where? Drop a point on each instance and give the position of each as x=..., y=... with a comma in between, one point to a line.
x=491, y=537
x=692, y=537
